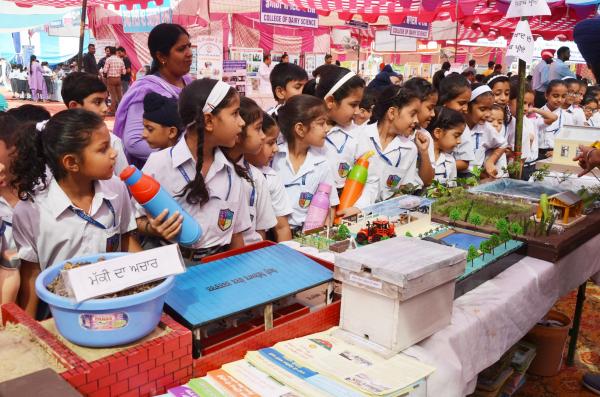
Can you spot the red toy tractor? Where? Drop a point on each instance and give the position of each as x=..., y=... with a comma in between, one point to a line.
x=375, y=231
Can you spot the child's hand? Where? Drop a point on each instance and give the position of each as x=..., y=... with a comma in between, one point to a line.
x=549, y=153
x=348, y=212
x=169, y=228
x=422, y=142
x=490, y=169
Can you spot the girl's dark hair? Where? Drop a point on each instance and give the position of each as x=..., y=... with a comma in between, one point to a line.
x=191, y=101
x=499, y=79
x=31, y=59
x=555, y=83
x=485, y=94
x=514, y=89
x=310, y=87
x=421, y=86
x=451, y=87
x=588, y=99
x=68, y=132
x=299, y=109
x=9, y=128
x=268, y=122
x=249, y=112
x=445, y=119
x=161, y=39
x=330, y=76
x=368, y=100
x=392, y=96
x=29, y=113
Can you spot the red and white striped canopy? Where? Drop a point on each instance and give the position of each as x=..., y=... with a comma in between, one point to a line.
x=74, y=3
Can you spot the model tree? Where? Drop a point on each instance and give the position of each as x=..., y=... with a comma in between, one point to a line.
x=408, y=234
x=516, y=229
x=343, y=232
x=475, y=220
x=502, y=224
x=494, y=241
x=454, y=215
x=472, y=254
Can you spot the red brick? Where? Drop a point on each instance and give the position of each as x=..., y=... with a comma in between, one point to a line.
x=89, y=387
x=137, y=357
x=156, y=373
x=186, y=361
x=98, y=372
x=128, y=373
x=117, y=364
x=119, y=388
x=131, y=393
x=138, y=380
x=165, y=380
x=147, y=365
x=155, y=351
x=166, y=357
x=180, y=375
x=76, y=380
x=101, y=393
x=107, y=381
x=172, y=366
x=171, y=345
x=148, y=390
x=181, y=352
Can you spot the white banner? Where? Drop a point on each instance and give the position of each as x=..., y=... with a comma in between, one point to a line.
x=527, y=8
x=210, y=57
x=521, y=44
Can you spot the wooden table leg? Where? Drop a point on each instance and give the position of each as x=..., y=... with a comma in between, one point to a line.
x=574, y=331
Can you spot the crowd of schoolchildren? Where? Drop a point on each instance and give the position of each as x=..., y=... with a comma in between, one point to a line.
x=245, y=174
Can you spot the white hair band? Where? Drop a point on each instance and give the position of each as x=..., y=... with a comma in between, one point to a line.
x=340, y=83
x=40, y=126
x=495, y=77
x=216, y=96
x=482, y=89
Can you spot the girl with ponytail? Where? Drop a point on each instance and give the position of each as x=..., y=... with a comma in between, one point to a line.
x=198, y=174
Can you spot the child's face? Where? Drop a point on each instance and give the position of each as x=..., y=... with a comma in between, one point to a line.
x=582, y=91
x=268, y=150
x=343, y=112
x=99, y=158
x=447, y=140
x=95, y=103
x=501, y=92
x=497, y=119
x=461, y=102
x=292, y=88
x=528, y=100
x=254, y=139
x=7, y=156
x=557, y=97
x=317, y=132
x=227, y=124
x=590, y=109
x=362, y=116
x=480, y=109
x=426, y=111
x=572, y=95
x=157, y=135
x=406, y=119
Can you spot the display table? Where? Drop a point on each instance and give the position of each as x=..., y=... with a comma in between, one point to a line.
x=490, y=319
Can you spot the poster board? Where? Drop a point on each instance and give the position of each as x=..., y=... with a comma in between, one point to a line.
x=234, y=74
x=293, y=58
x=210, y=57
x=253, y=58
x=313, y=60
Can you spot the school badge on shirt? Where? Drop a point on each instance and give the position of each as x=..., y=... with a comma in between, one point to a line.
x=392, y=181
x=225, y=219
x=305, y=199
x=343, y=170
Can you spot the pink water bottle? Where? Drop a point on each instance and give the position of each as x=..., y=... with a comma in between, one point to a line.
x=319, y=208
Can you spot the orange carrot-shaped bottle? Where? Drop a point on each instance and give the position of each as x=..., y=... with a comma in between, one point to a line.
x=355, y=183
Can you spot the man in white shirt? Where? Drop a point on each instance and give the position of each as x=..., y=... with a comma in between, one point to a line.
x=541, y=78
x=264, y=74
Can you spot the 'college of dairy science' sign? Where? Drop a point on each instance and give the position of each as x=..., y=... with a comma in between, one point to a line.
x=281, y=14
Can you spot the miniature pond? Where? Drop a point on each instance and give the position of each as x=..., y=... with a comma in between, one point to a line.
x=512, y=188
x=463, y=240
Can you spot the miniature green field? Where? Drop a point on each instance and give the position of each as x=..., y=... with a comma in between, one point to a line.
x=489, y=209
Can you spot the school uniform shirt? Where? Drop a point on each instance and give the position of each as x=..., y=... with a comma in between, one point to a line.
x=226, y=211
x=301, y=186
x=262, y=216
x=577, y=115
x=274, y=110
x=7, y=242
x=51, y=229
x=485, y=138
x=341, y=151
x=390, y=167
x=279, y=199
x=430, y=148
x=529, y=139
x=445, y=168
x=465, y=150
x=121, y=161
x=594, y=121
x=547, y=133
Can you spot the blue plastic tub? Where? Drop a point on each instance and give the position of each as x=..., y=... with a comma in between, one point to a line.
x=103, y=322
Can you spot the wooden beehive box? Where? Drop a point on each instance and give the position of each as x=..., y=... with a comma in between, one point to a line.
x=397, y=292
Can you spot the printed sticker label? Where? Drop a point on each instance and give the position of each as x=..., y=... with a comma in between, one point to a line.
x=103, y=321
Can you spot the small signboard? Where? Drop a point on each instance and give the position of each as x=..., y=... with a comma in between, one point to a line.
x=234, y=74
x=411, y=28
x=275, y=13
x=358, y=24
x=118, y=274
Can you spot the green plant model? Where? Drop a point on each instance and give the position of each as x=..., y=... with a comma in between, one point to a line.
x=408, y=234
x=343, y=233
x=472, y=254
x=540, y=174
x=475, y=220
x=454, y=215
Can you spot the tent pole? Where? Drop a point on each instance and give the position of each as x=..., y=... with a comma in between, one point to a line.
x=358, y=54
x=81, y=34
x=520, y=115
x=456, y=35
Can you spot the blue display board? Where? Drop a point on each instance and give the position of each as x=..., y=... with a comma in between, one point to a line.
x=218, y=289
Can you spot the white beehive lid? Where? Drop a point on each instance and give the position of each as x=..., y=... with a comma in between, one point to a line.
x=400, y=260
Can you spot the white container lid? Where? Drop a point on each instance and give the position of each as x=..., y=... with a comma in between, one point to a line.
x=400, y=259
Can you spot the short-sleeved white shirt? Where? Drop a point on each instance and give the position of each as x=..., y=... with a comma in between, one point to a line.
x=121, y=162
x=465, y=151
x=226, y=211
x=301, y=186
x=341, y=147
x=529, y=142
x=445, y=168
x=390, y=167
x=279, y=199
x=7, y=242
x=547, y=133
x=485, y=138
x=577, y=115
x=47, y=230
x=258, y=198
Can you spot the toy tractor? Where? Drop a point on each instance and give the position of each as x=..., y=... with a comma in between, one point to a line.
x=375, y=231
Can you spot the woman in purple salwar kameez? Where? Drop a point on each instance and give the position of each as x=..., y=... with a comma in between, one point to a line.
x=171, y=52
x=37, y=85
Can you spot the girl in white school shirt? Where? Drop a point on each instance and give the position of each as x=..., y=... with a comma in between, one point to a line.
x=300, y=160
x=83, y=209
x=250, y=142
x=196, y=172
x=395, y=161
x=556, y=95
x=446, y=129
x=342, y=91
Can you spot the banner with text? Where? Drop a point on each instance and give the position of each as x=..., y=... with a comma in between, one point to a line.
x=282, y=14
x=411, y=28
